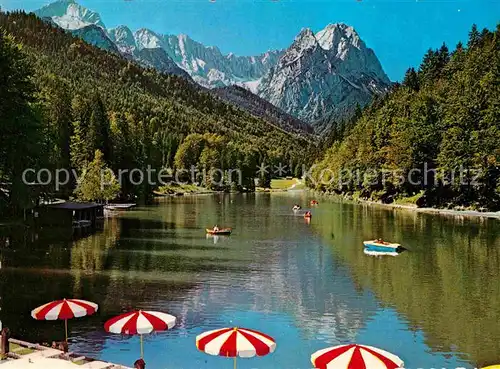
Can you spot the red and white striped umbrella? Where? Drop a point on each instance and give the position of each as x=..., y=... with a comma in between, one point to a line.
x=64, y=310
x=234, y=342
x=140, y=322
x=355, y=357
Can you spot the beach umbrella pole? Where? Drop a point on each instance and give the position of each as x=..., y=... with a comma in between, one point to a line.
x=142, y=348
x=66, y=329
x=235, y=362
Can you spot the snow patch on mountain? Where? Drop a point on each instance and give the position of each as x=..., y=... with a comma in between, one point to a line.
x=69, y=15
x=252, y=86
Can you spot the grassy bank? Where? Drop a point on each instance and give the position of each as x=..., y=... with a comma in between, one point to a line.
x=181, y=189
x=283, y=184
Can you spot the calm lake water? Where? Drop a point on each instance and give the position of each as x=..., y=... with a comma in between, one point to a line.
x=309, y=286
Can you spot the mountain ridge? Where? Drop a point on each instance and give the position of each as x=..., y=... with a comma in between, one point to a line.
x=322, y=76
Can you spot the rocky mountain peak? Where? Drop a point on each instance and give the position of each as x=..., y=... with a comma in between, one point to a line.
x=324, y=74
x=305, y=39
x=70, y=15
x=147, y=39
x=337, y=36
x=124, y=39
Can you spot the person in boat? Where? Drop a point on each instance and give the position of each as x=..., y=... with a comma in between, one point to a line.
x=216, y=229
x=307, y=214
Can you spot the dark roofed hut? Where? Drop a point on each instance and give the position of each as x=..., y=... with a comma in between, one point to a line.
x=68, y=214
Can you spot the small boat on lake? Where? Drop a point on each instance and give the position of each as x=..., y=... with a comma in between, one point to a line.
x=314, y=202
x=114, y=207
x=381, y=245
x=296, y=208
x=307, y=214
x=219, y=232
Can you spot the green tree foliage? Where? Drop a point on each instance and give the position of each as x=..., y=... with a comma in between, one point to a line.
x=79, y=157
x=443, y=120
x=88, y=99
x=97, y=183
x=19, y=125
x=474, y=37
x=98, y=130
x=411, y=80
x=189, y=152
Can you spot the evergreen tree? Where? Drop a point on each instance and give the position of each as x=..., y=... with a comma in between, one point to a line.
x=428, y=66
x=58, y=115
x=19, y=128
x=78, y=148
x=474, y=37
x=443, y=56
x=98, y=131
x=411, y=80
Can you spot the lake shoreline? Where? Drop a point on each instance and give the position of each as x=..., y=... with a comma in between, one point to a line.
x=415, y=208
x=440, y=211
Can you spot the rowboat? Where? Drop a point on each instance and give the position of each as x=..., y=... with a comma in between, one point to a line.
x=314, y=202
x=223, y=231
x=379, y=245
x=307, y=215
x=296, y=208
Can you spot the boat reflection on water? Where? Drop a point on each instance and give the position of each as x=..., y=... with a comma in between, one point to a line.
x=372, y=252
x=216, y=238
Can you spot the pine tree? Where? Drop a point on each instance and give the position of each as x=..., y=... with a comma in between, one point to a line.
x=428, y=67
x=58, y=113
x=474, y=37
x=78, y=148
x=443, y=56
x=98, y=131
x=411, y=80
x=19, y=128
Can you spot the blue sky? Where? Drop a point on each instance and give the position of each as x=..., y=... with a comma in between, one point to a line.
x=399, y=31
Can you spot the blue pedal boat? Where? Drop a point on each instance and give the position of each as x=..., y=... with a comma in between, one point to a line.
x=379, y=245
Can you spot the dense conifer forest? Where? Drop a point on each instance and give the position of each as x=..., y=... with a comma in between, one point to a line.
x=65, y=102
x=433, y=140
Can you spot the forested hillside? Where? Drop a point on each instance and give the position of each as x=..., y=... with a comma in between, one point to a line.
x=62, y=99
x=434, y=138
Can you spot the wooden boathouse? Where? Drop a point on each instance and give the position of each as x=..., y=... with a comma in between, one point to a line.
x=70, y=214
